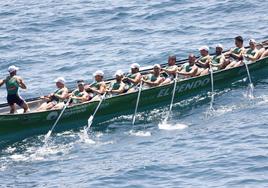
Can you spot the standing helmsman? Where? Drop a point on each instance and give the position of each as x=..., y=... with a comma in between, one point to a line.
x=13, y=83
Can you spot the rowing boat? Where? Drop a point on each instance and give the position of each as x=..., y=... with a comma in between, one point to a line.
x=15, y=127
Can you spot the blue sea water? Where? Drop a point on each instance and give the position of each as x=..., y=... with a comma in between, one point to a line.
x=74, y=38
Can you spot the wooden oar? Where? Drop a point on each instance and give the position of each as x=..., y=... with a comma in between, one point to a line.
x=251, y=86
x=50, y=131
x=90, y=119
x=137, y=104
x=172, y=98
x=212, y=89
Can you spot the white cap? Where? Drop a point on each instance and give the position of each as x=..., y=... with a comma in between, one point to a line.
x=80, y=82
x=219, y=46
x=60, y=80
x=12, y=68
x=119, y=73
x=134, y=66
x=204, y=48
x=98, y=73
x=157, y=65
x=252, y=41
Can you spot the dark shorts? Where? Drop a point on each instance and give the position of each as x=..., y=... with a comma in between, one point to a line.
x=12, y=99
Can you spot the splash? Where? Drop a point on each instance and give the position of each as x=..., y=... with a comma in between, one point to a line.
x=164, y=125
x=250, y=91
x=37, y=153
x=84, y=137
x=263, y=100
x=211, y=110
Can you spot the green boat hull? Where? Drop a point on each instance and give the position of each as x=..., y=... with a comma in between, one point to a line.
x=19, y=126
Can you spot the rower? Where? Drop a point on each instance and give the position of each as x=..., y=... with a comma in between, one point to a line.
x=189, y=69
x=133, y=79
x=252, y=53
x=154, y=79
x=171, y=69
x=218, y=60
x=117, y=86
x=235, y=54
x=98, y=87
x=264, y=54
x=204, y=60
x=55, y=100
x=13, y=83
x=80, y=95
x=261, y=50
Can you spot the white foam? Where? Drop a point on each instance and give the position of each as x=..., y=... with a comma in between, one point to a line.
x=106, y=143
x=99, y=134
x=264, y=100
x=18, y=157
x=89, y=141
x=2, y=167
x=10, y=149
x=224, y=109
x=140, y=133
x=43, y=152
x=167, y=126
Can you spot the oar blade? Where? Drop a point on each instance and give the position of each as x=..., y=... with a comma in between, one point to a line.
x=133, y=120
x=47, y=135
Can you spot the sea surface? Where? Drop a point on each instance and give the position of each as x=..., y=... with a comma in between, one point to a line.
x=74, y=38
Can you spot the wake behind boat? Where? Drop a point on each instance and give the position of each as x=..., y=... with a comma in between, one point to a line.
x=15, y=127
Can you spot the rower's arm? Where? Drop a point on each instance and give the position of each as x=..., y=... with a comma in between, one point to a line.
x=179, y=68
x=255, y=57
x=2, y=82
x=136, y=80
x=193, y=71
x=201, y=63
x=84, y=98
x=155, y=83
x=220, y=64
x=228, y=52
x=21, y=83
x=120, y=90
x=238, y=56
x=102, y=89
x=171, y=71
x=222, y=60
x=184, y=73
x=63, y=96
